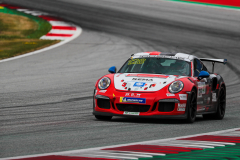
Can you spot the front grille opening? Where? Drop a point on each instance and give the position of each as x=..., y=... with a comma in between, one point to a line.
x=166, y=106
x=133, y=107
x=103, y=103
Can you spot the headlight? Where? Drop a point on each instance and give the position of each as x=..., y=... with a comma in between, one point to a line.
x=104, y=83
x=176, y=86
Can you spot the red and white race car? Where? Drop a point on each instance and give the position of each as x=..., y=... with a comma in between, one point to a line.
x=161, y=85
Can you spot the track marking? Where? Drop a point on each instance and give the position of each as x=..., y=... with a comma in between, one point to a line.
x=181, y=145
x=206, y=5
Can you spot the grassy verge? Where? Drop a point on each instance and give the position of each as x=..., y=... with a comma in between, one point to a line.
x=20, y=33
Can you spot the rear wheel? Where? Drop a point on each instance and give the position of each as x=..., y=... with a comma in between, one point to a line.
x=192, y=107
x=103, y=117
x=221, y=106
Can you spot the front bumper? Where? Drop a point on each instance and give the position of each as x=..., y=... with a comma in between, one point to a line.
x=159, y=105
x=183, y=116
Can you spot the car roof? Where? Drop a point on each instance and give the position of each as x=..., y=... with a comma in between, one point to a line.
x=157, y=53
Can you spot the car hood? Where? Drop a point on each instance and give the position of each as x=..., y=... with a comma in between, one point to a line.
x=142, y=82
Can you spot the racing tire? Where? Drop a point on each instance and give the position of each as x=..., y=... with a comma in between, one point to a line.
x=192, y=107
x=221, y=106
x=105, y=118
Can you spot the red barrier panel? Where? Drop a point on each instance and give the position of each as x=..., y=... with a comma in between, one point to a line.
x=235, y=3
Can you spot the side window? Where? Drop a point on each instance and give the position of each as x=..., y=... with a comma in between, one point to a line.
x=204, y=68
x=197, y=67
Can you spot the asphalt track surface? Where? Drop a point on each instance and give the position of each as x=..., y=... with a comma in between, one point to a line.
x=46, y=99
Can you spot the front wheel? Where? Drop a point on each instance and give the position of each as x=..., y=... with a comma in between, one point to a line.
x=192, y=107
x=105, y=118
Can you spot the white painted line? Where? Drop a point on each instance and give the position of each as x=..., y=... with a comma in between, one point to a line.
x=100, y=155
x=142, y=153
x=22, y=10
x=230, y=134
x=182, y=145
x=112, y=146
x=62, y=31
x=138, y=155
x=54, y=38
x=205, y=142
x=196, y=142
x=34, y=13
x=60, y=23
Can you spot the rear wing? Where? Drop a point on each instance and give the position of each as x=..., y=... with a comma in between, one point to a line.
x=224, y=61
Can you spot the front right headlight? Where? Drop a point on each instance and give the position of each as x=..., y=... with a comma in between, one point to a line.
x=176, y=87
x=104, y=83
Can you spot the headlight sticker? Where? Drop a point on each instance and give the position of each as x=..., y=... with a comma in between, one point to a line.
x=103, y=91
x=132, y=100
x=169, y=94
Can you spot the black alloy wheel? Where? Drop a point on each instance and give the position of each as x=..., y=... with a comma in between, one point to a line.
x=192, y=107
x=105, y=118
x=221, y=104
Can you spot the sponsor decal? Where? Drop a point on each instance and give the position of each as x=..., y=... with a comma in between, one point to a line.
x=170, y=94
x=181, y=109
x=139, y=84
x=131, y=113
x=201, y=88
x=133, y=94
x=183, y=96
x=124, y=84
x=207, y=108
x=182, y=105
x=142, y=79
x=146, y=75
x=201, y=109
x=208, y=100
x=132, y=100
x=200, y=102
x=152, y=85
x=214, y=97
x=136, y=61
x=103, y=91
x=113, y=95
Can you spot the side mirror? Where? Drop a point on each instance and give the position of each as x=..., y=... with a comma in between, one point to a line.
x=112, y=69
x=203, y=74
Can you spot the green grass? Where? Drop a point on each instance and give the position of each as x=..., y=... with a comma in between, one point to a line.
x=20, y=33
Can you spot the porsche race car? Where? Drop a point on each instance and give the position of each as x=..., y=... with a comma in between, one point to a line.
x=161, y=85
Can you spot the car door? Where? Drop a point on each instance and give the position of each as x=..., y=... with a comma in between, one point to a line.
x=203, y=87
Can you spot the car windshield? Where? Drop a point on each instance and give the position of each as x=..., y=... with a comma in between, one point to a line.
x=157, y=66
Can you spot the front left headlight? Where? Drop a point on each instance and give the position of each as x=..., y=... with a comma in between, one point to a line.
x=104, y=83
x=176, y=87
